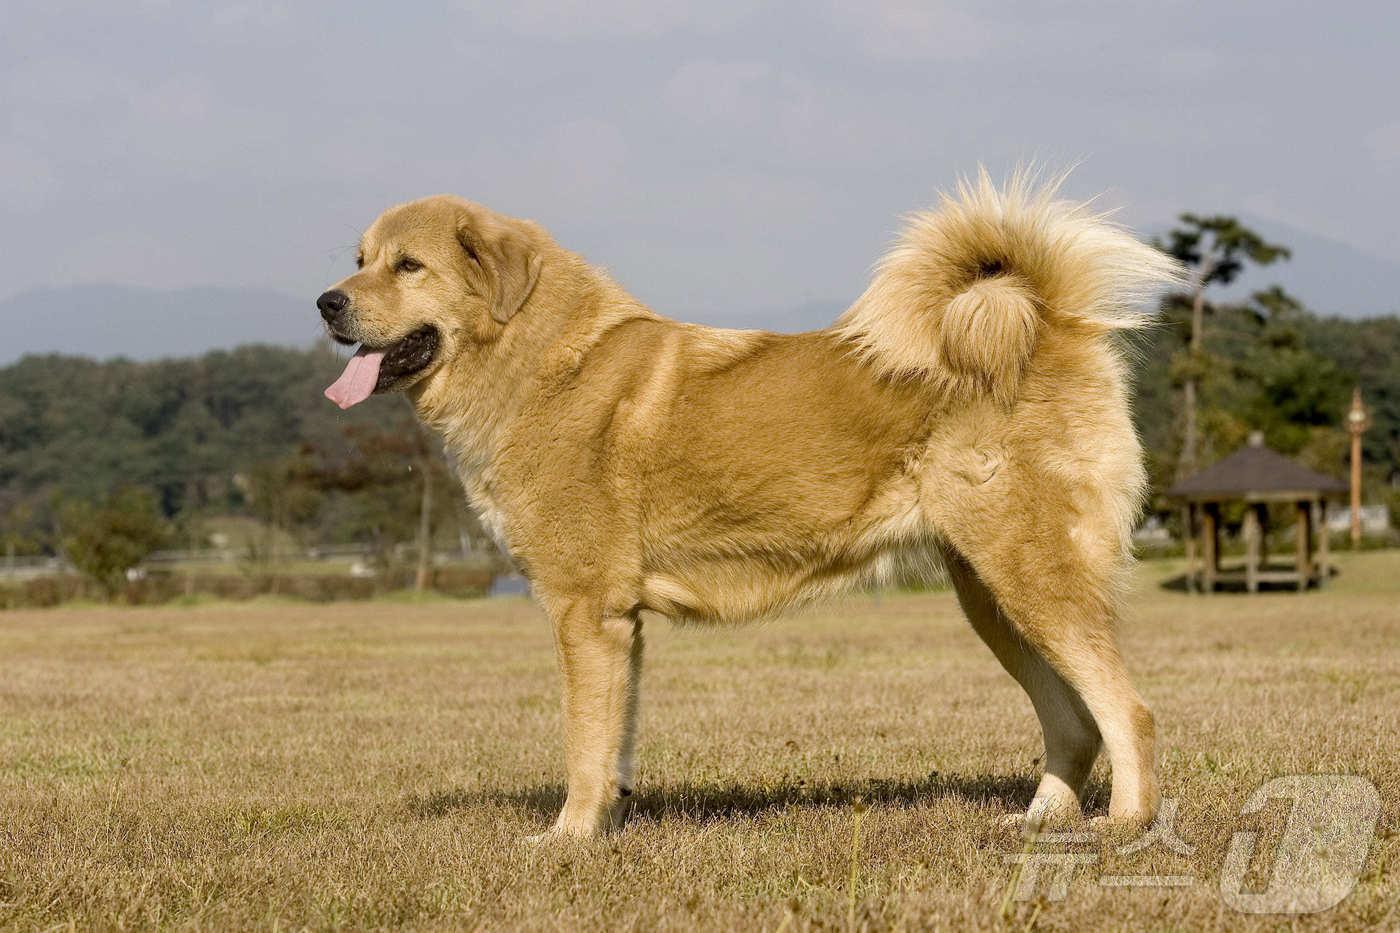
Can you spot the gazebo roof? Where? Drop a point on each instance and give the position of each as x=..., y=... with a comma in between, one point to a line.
x=1255, y=471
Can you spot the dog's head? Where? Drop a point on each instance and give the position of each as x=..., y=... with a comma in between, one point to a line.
x=435, y=277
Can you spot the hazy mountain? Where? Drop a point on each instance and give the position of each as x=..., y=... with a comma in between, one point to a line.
x=143, y=323
x=1330, y=277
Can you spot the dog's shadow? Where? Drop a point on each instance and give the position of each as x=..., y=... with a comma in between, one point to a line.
x=709, y=801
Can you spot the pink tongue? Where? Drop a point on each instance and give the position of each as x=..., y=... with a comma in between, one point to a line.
x=357, y=382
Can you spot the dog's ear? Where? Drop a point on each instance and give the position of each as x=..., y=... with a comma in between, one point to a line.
x=509, y=263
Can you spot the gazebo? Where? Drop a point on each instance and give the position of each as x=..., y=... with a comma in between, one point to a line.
x=1258, y=477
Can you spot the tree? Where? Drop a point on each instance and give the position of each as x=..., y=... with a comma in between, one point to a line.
x=283, y=495
x=1216, y=248
x=14, y=529
x=385, y=486
x=1292, y=394
x=427, y=455
x=105, y=541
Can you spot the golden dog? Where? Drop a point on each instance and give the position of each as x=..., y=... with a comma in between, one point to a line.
x=968, y=411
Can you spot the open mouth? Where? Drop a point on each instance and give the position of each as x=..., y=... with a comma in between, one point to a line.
x=407, y=357
x=379, y=369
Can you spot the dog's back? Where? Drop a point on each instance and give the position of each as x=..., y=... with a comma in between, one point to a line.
x=975, y=381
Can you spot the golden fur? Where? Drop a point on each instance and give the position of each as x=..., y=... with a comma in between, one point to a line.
x=969, y=410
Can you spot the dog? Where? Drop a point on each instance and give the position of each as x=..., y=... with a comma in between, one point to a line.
x=969, y=411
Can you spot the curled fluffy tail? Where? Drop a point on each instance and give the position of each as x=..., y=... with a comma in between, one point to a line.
x=963, y=298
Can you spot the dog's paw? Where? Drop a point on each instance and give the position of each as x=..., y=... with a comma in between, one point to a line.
x=1044, y=813
x=550, y=837
x=1118, y=827
x=589, y=820
x=1012, y=820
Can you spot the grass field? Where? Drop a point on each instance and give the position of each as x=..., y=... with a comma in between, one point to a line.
x=376, y=765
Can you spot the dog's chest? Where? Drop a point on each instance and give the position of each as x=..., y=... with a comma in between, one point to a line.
x=480, y=489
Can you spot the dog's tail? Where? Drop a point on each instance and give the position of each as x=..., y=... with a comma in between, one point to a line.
x=965, y=295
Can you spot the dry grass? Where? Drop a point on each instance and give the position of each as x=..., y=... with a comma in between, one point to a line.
x=377, y=765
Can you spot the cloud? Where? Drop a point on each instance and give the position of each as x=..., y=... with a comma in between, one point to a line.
x=910, y=30
x=719, y=92
x=561, y=20
x=27, y=180
x=257, y=14
x=179, y=101
x=747, y=99
x=581, y=159
x=1384, y=142
x=115, y=254
x=1188, y=65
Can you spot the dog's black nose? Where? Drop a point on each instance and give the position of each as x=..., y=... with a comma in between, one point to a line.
x=331, y=304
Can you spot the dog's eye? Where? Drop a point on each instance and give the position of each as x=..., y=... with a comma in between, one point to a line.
x=359, y=261
x=407, y=264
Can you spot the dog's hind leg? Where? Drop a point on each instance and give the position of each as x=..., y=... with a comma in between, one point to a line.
x=600, y=659
x=1068, y=618
x=1050, y=565
x=1071, y=737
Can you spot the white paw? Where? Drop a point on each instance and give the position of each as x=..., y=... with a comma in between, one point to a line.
x=548, y=837
x=1043, y=813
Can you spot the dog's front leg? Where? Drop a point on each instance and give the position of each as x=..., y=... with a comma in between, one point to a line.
x=600, y=659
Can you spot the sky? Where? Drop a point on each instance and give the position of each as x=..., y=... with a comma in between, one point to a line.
x=722, y=159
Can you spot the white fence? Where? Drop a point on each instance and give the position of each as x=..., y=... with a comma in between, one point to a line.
x=358, y=556
x=1375, y=519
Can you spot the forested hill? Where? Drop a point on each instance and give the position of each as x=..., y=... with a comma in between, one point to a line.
x=201, y=433
x=77, y=427
x=207, y=436
x=1271, y=366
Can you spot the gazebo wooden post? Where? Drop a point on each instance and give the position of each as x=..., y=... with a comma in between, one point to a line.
x=1303, y=551
x=1210, y=547
x=1324, y=562
x=1251, y=547
x=1188, y=535
x=1263, y=508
